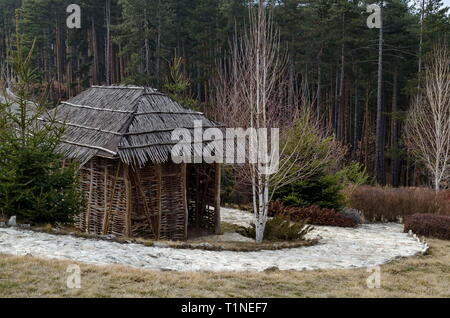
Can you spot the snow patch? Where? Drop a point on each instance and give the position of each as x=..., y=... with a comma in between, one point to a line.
x=365, y=246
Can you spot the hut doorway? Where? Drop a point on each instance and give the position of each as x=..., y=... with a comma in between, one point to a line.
x=203, y=193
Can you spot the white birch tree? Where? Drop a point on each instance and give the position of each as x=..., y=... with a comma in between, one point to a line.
x=253, y=91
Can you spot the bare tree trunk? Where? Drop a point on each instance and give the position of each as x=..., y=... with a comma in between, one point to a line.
x=366, y=129
x=58, y=51
x=380, y=135
x=252, y=92
x=341, y=87
x=422, y=17
x=146, y=44
x=108, y=41
x=319, y=88
x=69, y=68
x=355, y=121
x=427, y=131
x=158, y=48
x=394, y=131
x=336, y=103
x=94, y=52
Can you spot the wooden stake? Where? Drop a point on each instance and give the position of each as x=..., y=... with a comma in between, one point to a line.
x=89, y=203
x=218, y=177
x=126, y=175
x=158, y=198
x=105, y=198
x=184, y=187
x=108, y=210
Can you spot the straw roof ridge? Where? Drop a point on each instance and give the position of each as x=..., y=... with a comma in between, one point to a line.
x=131, y=123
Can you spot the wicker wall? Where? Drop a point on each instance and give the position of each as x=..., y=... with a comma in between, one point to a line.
x=145, y=201
x=173, y=203
x=104, y=186
x=150, y=202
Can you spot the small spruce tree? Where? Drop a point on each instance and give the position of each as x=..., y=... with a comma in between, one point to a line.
x=177, y=85
x=34, y=184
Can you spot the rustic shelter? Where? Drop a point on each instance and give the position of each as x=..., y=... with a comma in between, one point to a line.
x=121, y=135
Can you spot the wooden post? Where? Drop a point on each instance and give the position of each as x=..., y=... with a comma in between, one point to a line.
x=129, y=198
x=147, y=208
x=198, y=205
x=158, y=171
x=105, y=198
x=89, y=204
x=185, y=201
x=108, y=210
x=217, y=182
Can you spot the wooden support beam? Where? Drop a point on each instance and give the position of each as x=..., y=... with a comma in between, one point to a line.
x=89, y=203
x=108, y=209
x=185, y=201
x=158, y=171
x=217, y=183
x=198, y=194
x=129, y=198
x=147, y=209
x=105, y=197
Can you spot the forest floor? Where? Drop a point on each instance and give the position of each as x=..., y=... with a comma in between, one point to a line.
x=421, y=276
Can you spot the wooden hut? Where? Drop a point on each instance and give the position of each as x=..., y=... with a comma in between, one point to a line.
x=121, y=135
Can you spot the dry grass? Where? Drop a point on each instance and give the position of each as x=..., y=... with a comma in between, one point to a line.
x=422, y=276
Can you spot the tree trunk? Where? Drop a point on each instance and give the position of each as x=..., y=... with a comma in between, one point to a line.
x=340, y=134
x=158, y=48
x=355, y=121
x=94, y=52
x=422, y=16
x=394, y=132
x=319, y=87
x=108, y=42
x=336, y=103
x=380, y=134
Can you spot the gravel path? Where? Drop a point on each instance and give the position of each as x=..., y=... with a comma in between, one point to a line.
x=368, y=245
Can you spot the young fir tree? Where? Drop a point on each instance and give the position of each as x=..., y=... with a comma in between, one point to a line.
x=177, y=85
x=34, y=184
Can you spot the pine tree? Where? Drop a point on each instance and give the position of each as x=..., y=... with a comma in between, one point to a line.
x=34, y=185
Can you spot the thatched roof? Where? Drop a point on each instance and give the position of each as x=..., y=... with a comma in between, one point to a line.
x=9, y=98
x=126, y=122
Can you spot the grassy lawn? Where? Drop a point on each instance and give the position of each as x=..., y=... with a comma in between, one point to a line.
x=422, y=276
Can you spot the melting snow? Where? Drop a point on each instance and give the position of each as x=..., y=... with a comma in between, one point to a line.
x=366, y=246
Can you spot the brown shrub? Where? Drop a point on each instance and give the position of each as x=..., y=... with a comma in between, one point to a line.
x=279, y=228
x=430, y=225
x=275, y=207
x=391, y=205
x=315, y=215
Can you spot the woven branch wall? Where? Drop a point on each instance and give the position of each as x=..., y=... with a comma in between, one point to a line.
x=104, y=186
x=145, y=201
x=173, y=203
